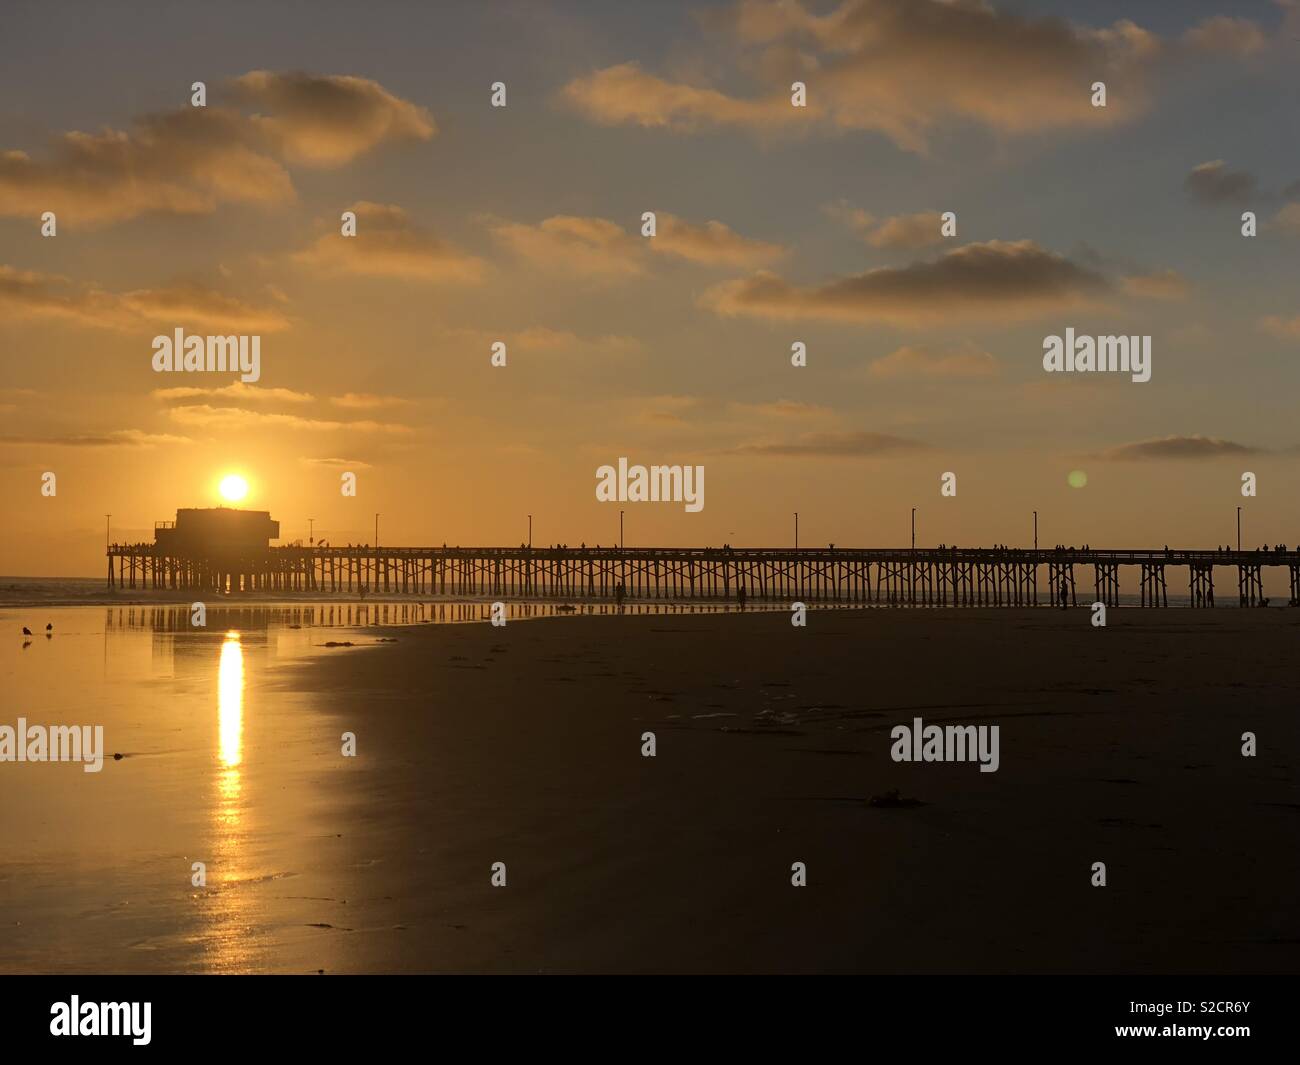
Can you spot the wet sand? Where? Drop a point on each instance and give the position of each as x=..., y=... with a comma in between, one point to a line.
x=1121, y=745
x=522, y=745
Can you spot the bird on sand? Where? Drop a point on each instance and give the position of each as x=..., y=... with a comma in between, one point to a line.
x=49, y=626
x=26, y=631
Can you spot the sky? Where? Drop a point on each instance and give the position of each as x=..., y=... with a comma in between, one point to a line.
x=775, y=224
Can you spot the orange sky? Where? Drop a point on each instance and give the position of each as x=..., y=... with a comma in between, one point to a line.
x=775, y=225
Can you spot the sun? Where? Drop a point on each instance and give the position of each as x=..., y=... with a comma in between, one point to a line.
x=233, y=488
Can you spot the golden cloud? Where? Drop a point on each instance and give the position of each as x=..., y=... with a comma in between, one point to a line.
x=993, y=280
x=836, y=445
x=388, y=244
x=1229, y=36
x=27, y=294
x=238, y=390
x=587, y=247
x=898, y=67
x=626, y=94
x=1162, y=285
x=712, y=244
x=234, y=419
x=967, y=361
x=191, y=160
x=329, y=120
x=1179, y=447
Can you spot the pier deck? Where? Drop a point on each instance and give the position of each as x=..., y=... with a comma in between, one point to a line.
x=948, y=576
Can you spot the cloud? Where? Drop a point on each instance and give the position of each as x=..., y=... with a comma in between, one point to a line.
x=189, y=303
x=342, y=464
x=784, y=410
x=1282, y=328
x=599, y=248
x=27, y=294
x=1178, y=447
x=191, y=160
x=587, y=247
x=235, y=419
x=626, y=94
x=367, y=401
x=665, y=410
x=908, y=231
x=1229, y=36
x=712, y=243
x=1214, y=183
x=540, y=338
x=184, y=162
x=388, y=244
x=1161, y=285
x=239, y=390
x=993, y=280
x=854, y=218
x=113, y=438
x=544, y=340
x=1288, y=218
x=897, y=67
x=836, y=445
x=900, y=232
x=909, y=361
x=329, y=120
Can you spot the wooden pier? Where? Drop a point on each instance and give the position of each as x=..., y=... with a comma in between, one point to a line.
x=916, y=577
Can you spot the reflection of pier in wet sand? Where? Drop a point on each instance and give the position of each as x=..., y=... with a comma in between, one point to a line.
x=880, y=576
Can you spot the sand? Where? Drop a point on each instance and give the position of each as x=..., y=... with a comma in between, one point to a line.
x=1122, y=745
x=522, y=745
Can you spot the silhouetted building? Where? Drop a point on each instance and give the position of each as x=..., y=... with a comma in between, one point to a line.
x=211, y=531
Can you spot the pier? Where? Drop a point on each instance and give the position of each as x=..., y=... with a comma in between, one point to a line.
x=912, y=577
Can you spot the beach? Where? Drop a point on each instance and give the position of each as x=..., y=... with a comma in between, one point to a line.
x=522, y=745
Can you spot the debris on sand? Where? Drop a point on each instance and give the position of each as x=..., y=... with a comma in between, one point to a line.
x=891, y=800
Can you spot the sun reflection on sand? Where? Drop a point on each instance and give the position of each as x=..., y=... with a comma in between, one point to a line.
x=227, y=934
x=230, y=702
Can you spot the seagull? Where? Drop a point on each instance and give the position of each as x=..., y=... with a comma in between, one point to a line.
x=49, y=626
x=26, y=631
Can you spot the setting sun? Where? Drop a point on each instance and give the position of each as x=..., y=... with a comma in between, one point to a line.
x=233, y=488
